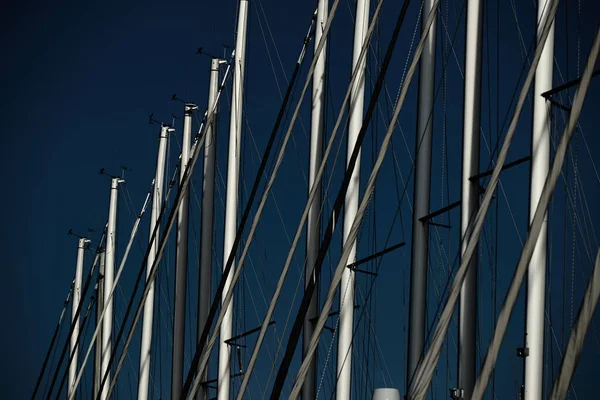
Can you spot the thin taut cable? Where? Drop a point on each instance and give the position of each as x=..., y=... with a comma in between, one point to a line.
x=54, y=336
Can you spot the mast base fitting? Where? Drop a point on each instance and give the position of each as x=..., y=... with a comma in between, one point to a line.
x=523, y=352
x=457, y=394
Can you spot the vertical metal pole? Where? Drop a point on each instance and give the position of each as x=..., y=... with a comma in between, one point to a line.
x=181, y=261
x=540, y=162
x=470, y=196
x=313, y=228
x=157, y=197
x=357, y=97
x=420, y=233
x=109, y=272
x=208, y=197
x=75, y=305
x=233, y=167
x=99, y=308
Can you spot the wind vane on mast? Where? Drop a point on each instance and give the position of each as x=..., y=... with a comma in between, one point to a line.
x=201, y=51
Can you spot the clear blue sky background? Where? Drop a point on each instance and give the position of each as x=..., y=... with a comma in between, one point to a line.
x=79, y=81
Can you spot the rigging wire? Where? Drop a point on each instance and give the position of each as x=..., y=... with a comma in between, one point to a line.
x=51, y=347
x=77, y=341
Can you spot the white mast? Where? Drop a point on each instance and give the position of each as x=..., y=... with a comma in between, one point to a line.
x=420, y=245
x=99, y=308
x=313, y=227
x=233, y=166
x=157, y=197
x=540, y=161
x=357, y=98
x=470, y=196
x=109, y=271
x=208, y=197
x=75, y=305
x=181, y=260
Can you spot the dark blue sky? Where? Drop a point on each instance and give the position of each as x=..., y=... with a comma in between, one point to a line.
x=79, y=81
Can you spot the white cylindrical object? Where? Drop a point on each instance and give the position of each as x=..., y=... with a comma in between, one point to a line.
x=157, y=195
x=421, y=196
x=208, y=197
x=233, y=166
x=181, y=260
x=109, y=272
x=386, y=394
x=357, y=99
x=467, y=326
x=75, y=305
x=313, y=226
x=540, y=163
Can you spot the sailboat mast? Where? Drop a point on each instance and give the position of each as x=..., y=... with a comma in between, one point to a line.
x=157, y=196
x=99, y=308
x=181, y=260
x=420, y=232
x=313, y=236
x=540, y=162
x=357, y=98
x=470, y=196
x=74, y=317
x=233, y=167
x=208, y=197
x=109, y=272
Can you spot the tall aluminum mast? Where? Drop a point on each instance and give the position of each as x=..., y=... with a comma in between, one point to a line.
x=208, y=197
x=181, y=260
x=313, y=226
x=470, y=197
x=540, y=162
x=157, y=198
x=420, y=245
x=75, y=305
x=99, y=308
x=357, y=98
x=109, y=272
x=233, y=167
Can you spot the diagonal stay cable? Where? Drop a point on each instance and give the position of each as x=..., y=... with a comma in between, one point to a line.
x=77, y=341
x=318, y=329
x=422, y=377
x=539, y=216
x=203, y=339
x=53, y=341
x=586, y=312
